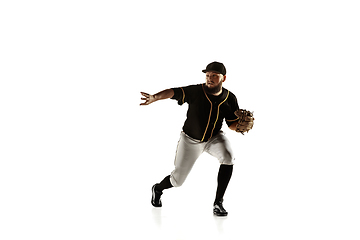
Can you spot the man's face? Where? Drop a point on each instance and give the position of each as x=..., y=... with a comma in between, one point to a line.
x=214, y=81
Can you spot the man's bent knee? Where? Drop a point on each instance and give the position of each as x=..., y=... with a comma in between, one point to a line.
x=177, y=181
x=227, y=159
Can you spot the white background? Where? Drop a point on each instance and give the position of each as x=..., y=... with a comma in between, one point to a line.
x=79, y=155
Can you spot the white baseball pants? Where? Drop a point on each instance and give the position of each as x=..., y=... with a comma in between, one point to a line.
x=189, y=150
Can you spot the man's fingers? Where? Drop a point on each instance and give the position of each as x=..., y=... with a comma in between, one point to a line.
x=146, y=98
x=145, y=103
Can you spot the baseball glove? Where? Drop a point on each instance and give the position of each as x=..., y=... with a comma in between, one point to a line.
x=246, y=121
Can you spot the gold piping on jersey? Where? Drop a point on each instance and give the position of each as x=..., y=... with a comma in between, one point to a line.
x=209, y=114
x=217, y=116
x=183, y=100
x=232, y=120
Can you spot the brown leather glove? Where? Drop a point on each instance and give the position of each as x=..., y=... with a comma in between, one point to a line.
x=245, y=122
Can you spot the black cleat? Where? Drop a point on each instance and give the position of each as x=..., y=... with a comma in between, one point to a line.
x=156, y=197
x=219, y=210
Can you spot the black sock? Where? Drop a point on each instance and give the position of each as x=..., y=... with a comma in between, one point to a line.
x=164, y=184
x=225, y=172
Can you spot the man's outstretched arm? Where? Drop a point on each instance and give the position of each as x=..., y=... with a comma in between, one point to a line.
x=168, y=93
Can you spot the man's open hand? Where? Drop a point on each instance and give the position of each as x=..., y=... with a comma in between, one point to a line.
x=148, y=98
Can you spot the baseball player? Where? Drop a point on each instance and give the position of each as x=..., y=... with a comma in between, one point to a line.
x=208, y=105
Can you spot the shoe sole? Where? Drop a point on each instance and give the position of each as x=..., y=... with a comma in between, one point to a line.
x=220, y=214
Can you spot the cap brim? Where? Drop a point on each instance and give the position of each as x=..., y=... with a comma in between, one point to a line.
x=205, y=71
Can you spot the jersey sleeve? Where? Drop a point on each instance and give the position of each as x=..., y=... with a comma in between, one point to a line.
x=179, y=95
x=231, y=117
x=185, y=94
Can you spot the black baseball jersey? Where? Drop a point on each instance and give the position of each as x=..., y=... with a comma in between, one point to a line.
x=206, y=112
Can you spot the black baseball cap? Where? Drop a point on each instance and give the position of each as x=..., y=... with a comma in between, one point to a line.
x=215, y=67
